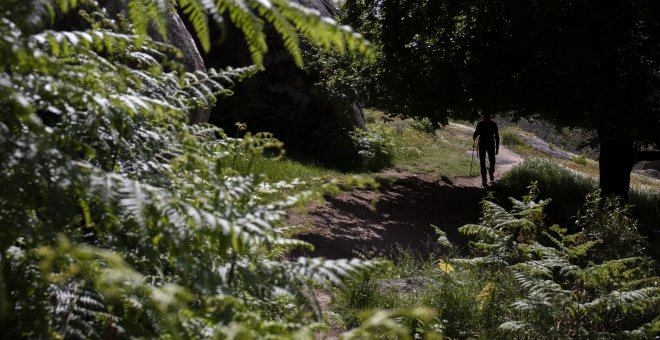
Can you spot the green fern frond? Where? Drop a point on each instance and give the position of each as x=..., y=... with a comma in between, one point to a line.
x=78, y=312
x=196, y=13
x=145, y=12
x=249, y=23
x=324, y=31
x=321, y=272
x=479, y=231
x=522, y=329
x=283, y=26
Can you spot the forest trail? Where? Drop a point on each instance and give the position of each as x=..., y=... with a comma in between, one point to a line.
x=406, y=207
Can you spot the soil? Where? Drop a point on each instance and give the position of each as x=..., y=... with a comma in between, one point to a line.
x=350, y=224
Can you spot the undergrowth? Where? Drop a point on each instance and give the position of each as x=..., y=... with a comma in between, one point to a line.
x=570, y=187
x=120, y=220
x=525, y=279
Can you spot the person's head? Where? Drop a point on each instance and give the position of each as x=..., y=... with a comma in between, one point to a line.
x=486, y=116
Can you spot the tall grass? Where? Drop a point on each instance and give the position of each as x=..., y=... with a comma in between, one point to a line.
x=568, y=189
x=510, y=137
x=563, y=185
x=276, y=170
x=456, y=293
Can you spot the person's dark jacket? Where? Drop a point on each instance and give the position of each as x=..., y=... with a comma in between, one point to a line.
x=487, y=133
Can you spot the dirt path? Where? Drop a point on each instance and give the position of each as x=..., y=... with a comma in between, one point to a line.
x=348, y=224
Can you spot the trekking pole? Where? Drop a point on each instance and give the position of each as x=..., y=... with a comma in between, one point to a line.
x=472, y=161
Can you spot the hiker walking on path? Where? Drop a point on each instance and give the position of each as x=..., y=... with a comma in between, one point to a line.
x=489, y=143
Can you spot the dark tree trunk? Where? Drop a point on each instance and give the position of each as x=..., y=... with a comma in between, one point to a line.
x=617, y=157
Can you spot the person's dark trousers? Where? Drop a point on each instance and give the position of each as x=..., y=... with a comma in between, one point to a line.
x=483, y=150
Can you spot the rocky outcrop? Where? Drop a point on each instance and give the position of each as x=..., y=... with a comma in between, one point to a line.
x=281, y=99
x=180, y=37
x=326, y=7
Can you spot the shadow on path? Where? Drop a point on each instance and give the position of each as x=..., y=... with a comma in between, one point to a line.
x=402, y=217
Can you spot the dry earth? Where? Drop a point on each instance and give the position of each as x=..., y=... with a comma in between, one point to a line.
x=405, y=209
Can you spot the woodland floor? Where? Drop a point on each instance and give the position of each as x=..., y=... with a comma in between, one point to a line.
x=406, y=206
x=350, y=224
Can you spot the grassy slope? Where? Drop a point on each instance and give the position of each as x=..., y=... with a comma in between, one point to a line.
x=418, y=148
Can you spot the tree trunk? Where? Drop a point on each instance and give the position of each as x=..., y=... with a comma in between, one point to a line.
x=617, y=157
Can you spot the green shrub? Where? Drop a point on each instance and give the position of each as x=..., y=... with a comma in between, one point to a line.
x=555, y=181
x=423, y=125
x=569, y=188
x=526, y=279
x=119, y=220
x=375, y=148
x=572, y=285
x=580, y=159
x=510, y=137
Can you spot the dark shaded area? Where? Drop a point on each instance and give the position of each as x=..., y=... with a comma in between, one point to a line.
x=576, y=64
x=281, y=98
x=402, y=217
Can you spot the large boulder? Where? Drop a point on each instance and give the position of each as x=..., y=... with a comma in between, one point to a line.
x=281, y=98
x=178, y=36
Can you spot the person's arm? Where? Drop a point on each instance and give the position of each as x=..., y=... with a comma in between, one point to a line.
x=477, y=131
x=497, y=140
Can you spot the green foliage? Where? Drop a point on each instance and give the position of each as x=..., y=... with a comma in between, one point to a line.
x=580, y=159
x=525, y=280
x=423, y=125
x=571, y=188
x=383, y=324
x=560, y=183
x=449, y=59
x=574, y=285
x=288, y=18
x=511, y=138
x=342, y=80
x=119, y=220
x=441, y=152
x=374, y=147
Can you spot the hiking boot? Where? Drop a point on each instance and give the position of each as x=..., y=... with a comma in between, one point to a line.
x=484, y=183
x=492, y=177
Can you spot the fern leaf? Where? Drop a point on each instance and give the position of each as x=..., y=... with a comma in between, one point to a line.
x=249, y=23
x=283, y=26
x=194, y=9
x=480, y=231
x=323, y=31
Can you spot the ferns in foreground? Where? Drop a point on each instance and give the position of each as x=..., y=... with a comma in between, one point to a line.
x=593, y=283
x=119, y=220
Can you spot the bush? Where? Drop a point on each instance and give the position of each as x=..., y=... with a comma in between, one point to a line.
x=580, y=159
x=375, y=148
x=423, y=125
x=526, y=279
x=510, y=137
x=571, y=285
x=569, y=188
x=119, y=220
x=554, y=181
